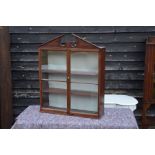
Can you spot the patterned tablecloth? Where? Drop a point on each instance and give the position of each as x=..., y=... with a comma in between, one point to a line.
x=113, y=118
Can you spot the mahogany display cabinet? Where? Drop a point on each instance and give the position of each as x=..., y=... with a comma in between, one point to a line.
x=71, y=75
x=149, y=81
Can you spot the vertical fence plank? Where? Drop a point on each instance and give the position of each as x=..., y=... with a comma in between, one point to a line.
x=5, y=79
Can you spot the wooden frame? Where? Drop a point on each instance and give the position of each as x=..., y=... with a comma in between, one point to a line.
x=148, y=99
x=79, y=45
x=6, y=108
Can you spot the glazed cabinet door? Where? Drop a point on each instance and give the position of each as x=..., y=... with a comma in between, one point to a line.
x=84, y=82
x=53, y=80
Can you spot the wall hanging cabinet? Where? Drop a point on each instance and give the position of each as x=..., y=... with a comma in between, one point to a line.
x=71, y=73
x=149, y=80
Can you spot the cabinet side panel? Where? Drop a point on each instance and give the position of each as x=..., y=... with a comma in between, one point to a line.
x=40, y=77
x=101, y=81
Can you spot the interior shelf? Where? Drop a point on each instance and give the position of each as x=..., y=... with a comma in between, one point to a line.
x=72, y=81
x=47, y=80
x=73, y=72
x=73, y=92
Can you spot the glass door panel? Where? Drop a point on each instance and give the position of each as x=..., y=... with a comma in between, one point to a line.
x=84, y=64
x=84, y=82
x=84, y=98
x=54, y=62
x=54, y=94
x=54, y=86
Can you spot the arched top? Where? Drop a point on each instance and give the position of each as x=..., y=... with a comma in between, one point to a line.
x=70, y=41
